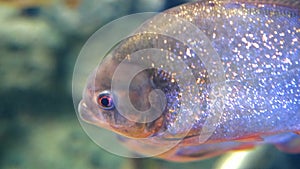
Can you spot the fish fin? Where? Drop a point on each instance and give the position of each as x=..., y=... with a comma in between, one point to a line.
x=250, y=139
x=195, y=153
x=245, y=147
x=291, y=145
x=297, y=132
x=203, y=151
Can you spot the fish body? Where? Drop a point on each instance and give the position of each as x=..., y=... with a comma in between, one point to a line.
x=225, y=76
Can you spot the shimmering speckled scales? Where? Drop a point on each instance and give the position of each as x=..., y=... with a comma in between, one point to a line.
x=260, y=56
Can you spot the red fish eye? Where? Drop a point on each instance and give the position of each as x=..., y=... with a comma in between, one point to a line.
x=105, y=101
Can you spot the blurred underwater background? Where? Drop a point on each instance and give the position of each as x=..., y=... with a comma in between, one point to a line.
x=39, y=43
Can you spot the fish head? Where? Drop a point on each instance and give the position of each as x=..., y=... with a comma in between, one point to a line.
x=125, y=109
x=139, y=90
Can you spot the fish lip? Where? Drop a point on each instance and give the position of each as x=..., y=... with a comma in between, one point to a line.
x=82, y=108
x=86, y=115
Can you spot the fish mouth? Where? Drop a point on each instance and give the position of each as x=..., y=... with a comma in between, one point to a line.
x=86, y=115
x=124, y=126
x=84, y=112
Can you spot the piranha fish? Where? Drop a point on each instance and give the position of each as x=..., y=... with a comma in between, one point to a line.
x=202, y=79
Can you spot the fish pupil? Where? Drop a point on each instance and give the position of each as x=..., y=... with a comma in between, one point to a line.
x=105, y=101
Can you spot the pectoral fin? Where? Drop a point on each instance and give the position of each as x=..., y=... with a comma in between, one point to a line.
x=292, y=145
x=245, y=147
x=250, y=139
x=204, y=151
x=297, y=132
